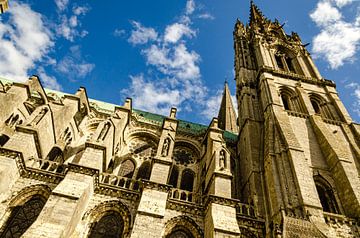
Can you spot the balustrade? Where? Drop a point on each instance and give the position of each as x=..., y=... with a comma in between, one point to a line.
x=46, y=165
x=183, y=195
x=245, y=210
x=118, y=181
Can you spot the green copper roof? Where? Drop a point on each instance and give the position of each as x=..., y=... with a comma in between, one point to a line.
x=184, y=126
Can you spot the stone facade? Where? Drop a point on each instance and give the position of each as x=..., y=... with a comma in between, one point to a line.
x=288, y=166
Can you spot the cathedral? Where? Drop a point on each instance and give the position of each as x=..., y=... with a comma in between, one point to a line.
x=287, y=166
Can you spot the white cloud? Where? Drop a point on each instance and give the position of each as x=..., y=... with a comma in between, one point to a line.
x=119, y=32
x=141, y=34
x=176, y=31
x=176, y=61
x=325, y=14
x=68, y=27
x=24, y=41
x=61, y=4
x=174, y=78
x=190, y=7
x=73, y=65
x=342, y=3
x=356, y=94
x=206, y=16
x=337, y=43
x=213, y=104
x=49, y=81
x=150, y=96
x=338, y=40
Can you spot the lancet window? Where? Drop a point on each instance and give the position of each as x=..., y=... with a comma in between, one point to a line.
x=127, y=169
x=187, y=180
x=326, y=195
x=322, y=107
x=14, y=120
x=286, y=61
x=291, y=100
x=180, y=233
x=22, y=217
x=111, y=225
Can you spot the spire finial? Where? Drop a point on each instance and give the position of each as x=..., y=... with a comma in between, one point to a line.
x=227, y=116
x=255, y=13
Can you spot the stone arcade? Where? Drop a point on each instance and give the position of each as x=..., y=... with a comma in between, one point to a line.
x=288, y=166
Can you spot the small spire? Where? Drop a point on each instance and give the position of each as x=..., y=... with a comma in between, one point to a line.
x=255, y=14
x=227, y=116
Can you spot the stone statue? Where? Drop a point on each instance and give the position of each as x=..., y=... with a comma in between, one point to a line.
x=222, y=160
x=166, y=147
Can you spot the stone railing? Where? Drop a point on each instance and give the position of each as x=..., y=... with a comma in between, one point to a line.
x=338, y=218
x=183, y=195
x=46, y=165
x=120, y=182
x=243, y=209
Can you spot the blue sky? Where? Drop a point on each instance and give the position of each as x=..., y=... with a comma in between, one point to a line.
x=166, y=53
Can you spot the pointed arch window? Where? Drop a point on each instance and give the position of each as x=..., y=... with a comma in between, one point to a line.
x=180, y=232
x=286, y=61
x=111, y=225
x=279, y=62
x=174, y=176
x=326, y=196
x=187, y=180
x=22, y=217
x=127, y=169
x=316, y=106
x=56, y=155
x=323, y=107
x=291, y=100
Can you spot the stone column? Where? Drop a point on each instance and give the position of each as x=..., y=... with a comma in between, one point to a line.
x=152, y=206
x=220, y=217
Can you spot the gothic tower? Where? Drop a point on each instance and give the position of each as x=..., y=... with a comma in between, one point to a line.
x=298, y=148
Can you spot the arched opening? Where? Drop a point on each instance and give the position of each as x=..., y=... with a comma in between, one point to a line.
x=110, y=225
x=290, y=64
x=127, y=169
x=174, y=176
x=286, y=101
x=326, y=196
x=315, y=105
x=22, y=217
x=144, y=171
x=3, y=139
x=291, y=100
x=286, y=60
x=187, y=180
x=180, y=232
x=56, y=155
x=279, y=62
x=323, y=107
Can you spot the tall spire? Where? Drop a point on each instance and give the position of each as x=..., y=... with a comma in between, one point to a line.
x=227, y=116
x=256, y=15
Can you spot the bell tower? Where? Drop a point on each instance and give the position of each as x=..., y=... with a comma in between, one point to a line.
x=298, y=147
